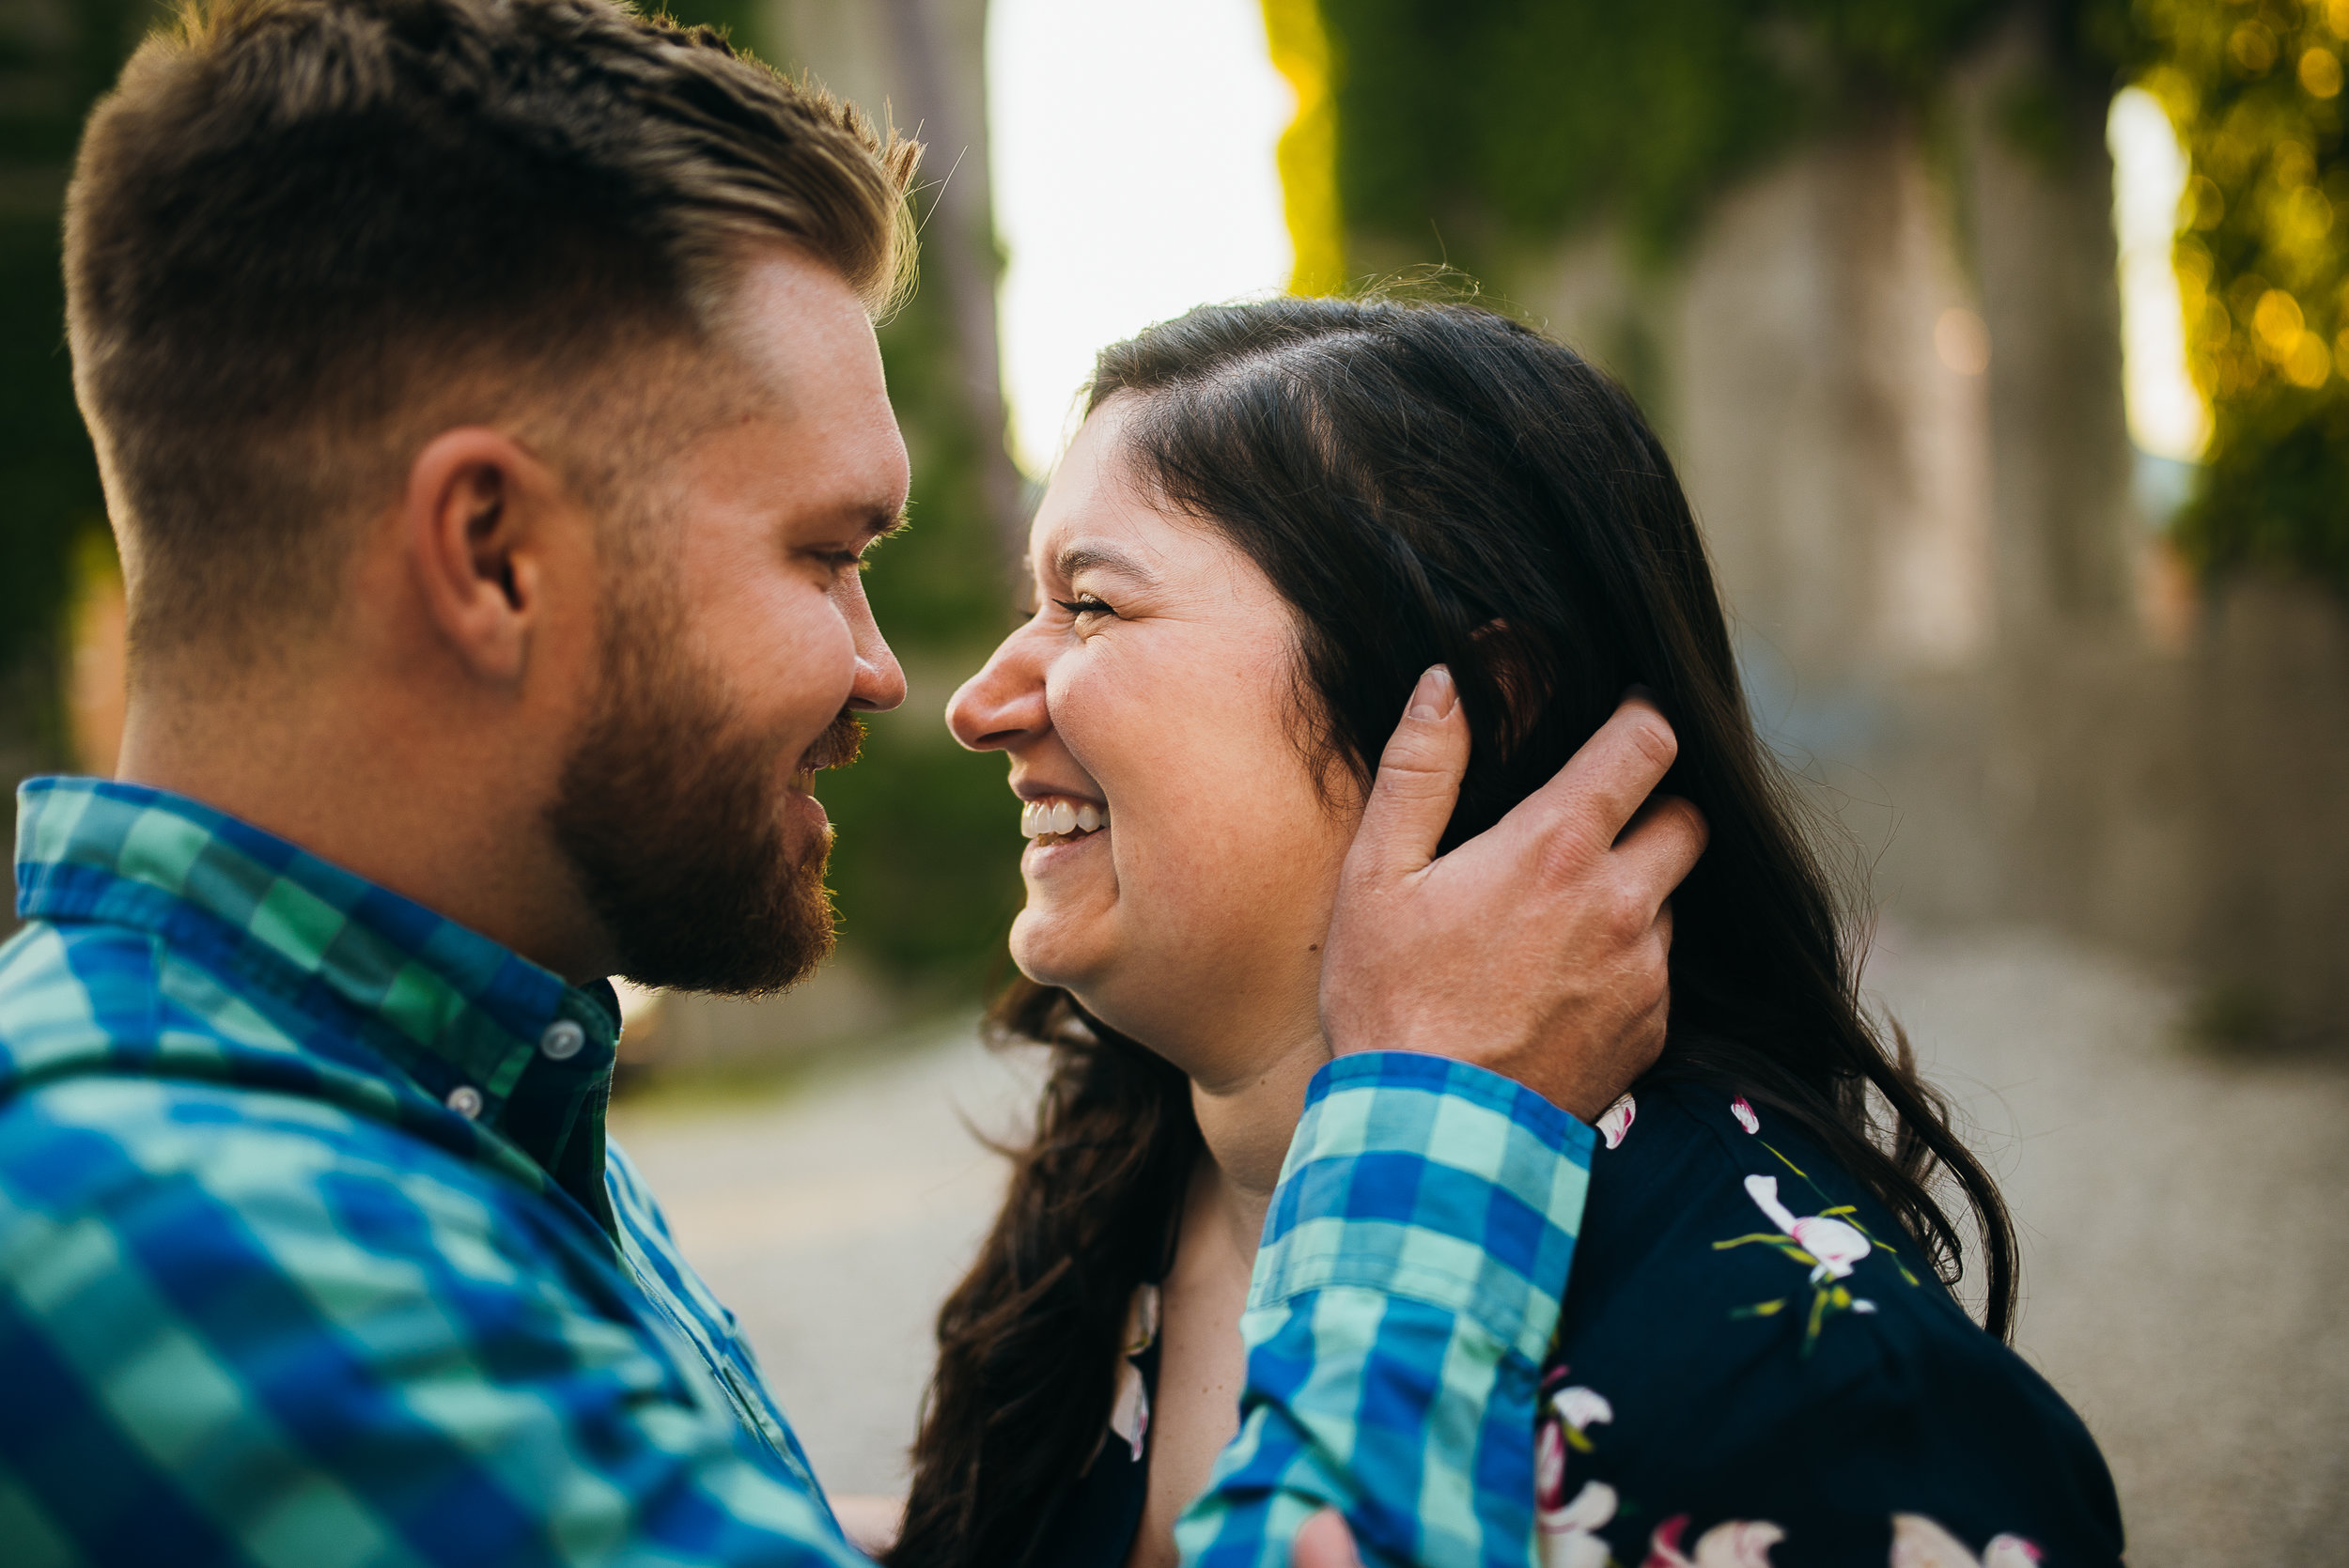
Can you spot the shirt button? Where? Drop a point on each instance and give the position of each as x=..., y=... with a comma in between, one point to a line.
x=562, y=1041
x=465, y=1100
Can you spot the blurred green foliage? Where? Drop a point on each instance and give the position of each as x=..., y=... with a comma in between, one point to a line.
x=2254, y=87
x=926, y=865
x=56, y=60
x=1520, y=119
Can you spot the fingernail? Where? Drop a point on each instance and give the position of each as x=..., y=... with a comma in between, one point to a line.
x=1433, y=697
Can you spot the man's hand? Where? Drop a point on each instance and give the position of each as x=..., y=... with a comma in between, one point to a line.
x=1537, y=948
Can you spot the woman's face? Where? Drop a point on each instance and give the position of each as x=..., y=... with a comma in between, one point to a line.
x=1153, y=694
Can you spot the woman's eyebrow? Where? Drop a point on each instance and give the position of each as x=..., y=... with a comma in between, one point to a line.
x=1084, y=556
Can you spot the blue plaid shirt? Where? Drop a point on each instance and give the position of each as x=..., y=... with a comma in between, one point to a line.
x=313, y=1253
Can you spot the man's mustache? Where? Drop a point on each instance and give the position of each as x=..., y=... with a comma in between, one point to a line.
x=840, y=744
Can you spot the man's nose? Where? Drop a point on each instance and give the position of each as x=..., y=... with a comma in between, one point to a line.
x=1003, y=703
x=881, y=681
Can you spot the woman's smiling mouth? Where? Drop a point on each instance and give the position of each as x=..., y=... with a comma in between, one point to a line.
x=1060, y=819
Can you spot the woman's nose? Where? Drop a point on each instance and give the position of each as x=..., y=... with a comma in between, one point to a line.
x=1003, y=703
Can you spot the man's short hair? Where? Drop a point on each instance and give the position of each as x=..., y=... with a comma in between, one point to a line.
x=298, y=227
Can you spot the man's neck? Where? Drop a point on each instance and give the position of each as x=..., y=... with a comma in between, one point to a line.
x=346, y=778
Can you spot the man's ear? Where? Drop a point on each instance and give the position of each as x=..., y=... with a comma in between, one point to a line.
x=475, y=517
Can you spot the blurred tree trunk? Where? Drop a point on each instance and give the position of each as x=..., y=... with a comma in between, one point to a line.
x=2039, y=182
x=923, y=62
x=940, y=50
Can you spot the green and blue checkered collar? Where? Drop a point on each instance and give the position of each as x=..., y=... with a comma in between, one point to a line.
x=468, y=1021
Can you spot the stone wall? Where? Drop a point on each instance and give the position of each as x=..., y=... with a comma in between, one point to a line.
x=1955, y=618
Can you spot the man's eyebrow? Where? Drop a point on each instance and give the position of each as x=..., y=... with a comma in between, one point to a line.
x=879, y=522
x=858, y=523
x=1074, y=558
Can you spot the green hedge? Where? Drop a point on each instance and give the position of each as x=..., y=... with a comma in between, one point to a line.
x=46, y=471
x=1475, y=120
x=2256, y=92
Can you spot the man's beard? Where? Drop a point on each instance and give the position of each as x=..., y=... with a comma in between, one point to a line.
x=675, y=822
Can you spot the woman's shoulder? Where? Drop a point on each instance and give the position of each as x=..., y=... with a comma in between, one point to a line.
x=1749, y=1336
x=1698, y=1196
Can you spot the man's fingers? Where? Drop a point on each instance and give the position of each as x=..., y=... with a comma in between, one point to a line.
x=1602, y=784
x=1323, y=1542
x=1418, y=782
x=1662, y=846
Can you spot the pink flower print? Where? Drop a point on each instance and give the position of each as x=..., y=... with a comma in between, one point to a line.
x=1836, y=1245
x=1731, y=1544
x=1743, y=1113
x=1919, y=1542
x=1129, y=1412
x=1549, y=1472
x=1569, y=1530
x=1572, y=1411
x=1617, y=1120
x=1570, y=1537
x=1580, y=1408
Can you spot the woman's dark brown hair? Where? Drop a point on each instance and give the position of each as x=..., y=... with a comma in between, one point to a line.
x=1423, y=483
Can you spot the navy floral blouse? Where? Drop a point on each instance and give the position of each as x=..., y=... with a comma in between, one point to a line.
x=1755, y=1369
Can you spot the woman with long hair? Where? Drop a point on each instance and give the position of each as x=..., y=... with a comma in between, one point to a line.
x=1275, y=517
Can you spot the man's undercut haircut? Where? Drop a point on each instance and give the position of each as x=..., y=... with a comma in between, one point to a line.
x=302, y=234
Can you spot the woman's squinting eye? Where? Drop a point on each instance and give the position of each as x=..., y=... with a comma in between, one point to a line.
x=1085, y=604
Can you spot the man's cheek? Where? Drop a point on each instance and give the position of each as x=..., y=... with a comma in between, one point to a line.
x=797, y=664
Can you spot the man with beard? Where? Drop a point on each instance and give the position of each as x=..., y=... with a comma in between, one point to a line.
x=492, y=423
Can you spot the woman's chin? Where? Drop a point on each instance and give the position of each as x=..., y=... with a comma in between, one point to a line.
x=1055, y=947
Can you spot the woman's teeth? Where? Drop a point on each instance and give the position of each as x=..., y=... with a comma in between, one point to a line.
x=1061, y=818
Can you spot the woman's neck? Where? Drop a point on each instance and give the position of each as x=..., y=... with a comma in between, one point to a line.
x=1248, y=1121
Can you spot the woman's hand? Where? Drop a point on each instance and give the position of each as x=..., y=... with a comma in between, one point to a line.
x=1539, y=949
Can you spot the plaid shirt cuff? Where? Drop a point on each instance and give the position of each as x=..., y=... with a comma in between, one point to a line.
x=1405, y=1293
x=1435, y=1181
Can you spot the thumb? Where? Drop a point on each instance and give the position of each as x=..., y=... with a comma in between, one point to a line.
x=1323, y=1542
x=1418, y=782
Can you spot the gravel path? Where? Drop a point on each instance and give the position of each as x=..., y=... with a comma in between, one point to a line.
x=2186, y=1230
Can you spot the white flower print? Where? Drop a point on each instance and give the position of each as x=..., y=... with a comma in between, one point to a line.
x=1919, y=1542
x=1731, y=1544
x=1837, y=1246
x=1572, y=1412
x=1569, y=1528
x=1743, y=1113
x=1130, y=1413
x=1570, y=1537
x=1617, y=1120
x=1578, y=1406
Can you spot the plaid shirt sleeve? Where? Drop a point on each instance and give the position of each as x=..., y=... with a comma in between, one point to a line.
x=239, y=1334
x=1405, y=1295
